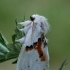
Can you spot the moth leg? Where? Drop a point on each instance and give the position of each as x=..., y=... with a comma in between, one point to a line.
x=25, y=23
x=20, y=40
x=21, y=30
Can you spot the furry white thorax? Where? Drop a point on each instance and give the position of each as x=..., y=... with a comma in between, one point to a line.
x=34, y=29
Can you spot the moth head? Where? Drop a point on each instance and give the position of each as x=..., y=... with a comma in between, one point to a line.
x=32, y=18
x=40, y=21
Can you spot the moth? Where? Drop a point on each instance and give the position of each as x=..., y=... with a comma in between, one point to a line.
x=34, y=53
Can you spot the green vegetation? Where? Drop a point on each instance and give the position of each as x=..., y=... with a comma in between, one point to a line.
x=10, y=50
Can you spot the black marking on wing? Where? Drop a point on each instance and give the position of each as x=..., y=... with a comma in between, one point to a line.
x=45, y=44
x=29, y=48
x=36, y=60
x=41, y=55
x=28, y=66
x=35, y=43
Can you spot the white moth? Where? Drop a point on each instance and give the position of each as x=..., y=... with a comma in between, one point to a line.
x=34, y=52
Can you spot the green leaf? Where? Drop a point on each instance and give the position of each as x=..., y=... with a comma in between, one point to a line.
x=16, y=21
x=2, y=53
x=24, y=18
x=2, y=47
x=63, y=64
x=14, y=52
x=19, y=33
x=3, y=39
x=14, y=36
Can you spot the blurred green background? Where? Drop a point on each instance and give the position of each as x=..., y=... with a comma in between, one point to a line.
x=58, y=14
